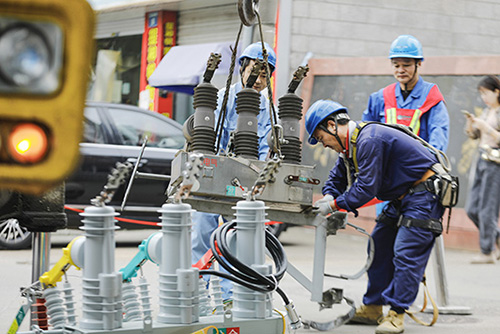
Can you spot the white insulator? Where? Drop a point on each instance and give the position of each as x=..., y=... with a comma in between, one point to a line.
x=178, y=281
x=251, y=250
x=131, y=305
x=205, y=308
x=69, y=303
x=101, y=285
x=144, y=296
x=216, y=293
x=55, y=307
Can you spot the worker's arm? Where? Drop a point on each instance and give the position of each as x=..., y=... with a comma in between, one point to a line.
x=336, y=183
x=438, y=125
x=375, y=109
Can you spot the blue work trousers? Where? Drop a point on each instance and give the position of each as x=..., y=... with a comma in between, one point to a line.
x=483, y=203
x=401, y=253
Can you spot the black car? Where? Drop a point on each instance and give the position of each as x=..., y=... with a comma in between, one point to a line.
x=112, y=133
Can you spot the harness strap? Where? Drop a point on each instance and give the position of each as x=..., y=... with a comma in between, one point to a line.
x=435, y=311
x=432, y=225
x=354, y=138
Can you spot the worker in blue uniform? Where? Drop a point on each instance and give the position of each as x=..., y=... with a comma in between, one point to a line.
x=411, y=101
x=376, y=160
x=205, y=223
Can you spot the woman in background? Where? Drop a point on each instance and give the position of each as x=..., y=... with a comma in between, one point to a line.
x=483, y=203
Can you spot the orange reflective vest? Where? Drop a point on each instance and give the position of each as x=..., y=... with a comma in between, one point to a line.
x=408, y=117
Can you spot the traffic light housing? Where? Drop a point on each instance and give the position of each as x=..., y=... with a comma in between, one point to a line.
x=45, y=55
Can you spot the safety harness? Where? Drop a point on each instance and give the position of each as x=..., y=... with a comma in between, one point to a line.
x=439, y=182
x=408, y=117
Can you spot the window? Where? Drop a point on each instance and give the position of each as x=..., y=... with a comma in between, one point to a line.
x=134, y=125
x=92, y=127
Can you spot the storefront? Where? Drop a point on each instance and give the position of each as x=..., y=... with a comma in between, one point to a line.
x=142, y=32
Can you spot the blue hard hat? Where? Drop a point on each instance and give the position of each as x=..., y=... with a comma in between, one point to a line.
x=316, y=113
x=254, y=51
x=406, y=46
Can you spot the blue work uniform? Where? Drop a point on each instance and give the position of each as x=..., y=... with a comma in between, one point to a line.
x=434, y=124
x=390, y=162
x=204, y=224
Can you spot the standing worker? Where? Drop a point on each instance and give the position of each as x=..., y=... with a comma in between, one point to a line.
x=377, y=160
x=411, y=101
x=483, y=203
x=205, y=223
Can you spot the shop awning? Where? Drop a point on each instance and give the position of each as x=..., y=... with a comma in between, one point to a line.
x=183, y=66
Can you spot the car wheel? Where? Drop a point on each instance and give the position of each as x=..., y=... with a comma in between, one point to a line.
x=13, y=235
x=276, y=229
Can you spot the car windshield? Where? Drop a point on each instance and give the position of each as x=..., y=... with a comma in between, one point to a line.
x=133, y=126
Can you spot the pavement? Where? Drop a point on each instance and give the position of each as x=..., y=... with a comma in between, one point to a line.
x=473, y=287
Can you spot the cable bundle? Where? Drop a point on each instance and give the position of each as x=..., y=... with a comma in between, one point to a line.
x=243, y=274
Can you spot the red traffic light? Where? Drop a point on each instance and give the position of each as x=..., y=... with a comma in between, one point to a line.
x=27, y=143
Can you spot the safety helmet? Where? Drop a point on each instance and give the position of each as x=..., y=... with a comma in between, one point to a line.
x=254, y=51
x=406, y=46
x=316, y=113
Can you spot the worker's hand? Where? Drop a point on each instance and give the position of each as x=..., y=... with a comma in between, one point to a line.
x=323, y=206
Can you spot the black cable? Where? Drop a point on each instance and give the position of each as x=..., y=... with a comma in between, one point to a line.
x=241, y=273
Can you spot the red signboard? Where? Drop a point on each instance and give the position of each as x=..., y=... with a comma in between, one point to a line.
x=159, y=36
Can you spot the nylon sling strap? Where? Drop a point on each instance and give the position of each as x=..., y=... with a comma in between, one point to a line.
x=435, y=311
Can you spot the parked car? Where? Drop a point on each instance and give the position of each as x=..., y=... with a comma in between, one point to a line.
x=112, y=133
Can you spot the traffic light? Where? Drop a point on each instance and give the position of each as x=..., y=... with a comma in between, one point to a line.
x=45, y=56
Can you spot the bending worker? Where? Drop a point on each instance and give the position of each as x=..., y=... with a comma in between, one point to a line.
x=410, y=101
x=205, y=223
x=377, y=160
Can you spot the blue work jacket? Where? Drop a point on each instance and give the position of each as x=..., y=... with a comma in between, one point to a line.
x=434, y=124
x=231, y=117
x=389, y=161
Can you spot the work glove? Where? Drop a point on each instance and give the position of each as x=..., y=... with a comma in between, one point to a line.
x=323, y=206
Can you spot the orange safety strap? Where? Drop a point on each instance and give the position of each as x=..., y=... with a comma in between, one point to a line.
x=435, y=311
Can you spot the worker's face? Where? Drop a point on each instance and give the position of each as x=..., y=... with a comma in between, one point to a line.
x=489, y=97
x=261, y=81
x=405, y=70
x=326, y=139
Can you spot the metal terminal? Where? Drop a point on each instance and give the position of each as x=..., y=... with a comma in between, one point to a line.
x=212, y=64
x=295, y=322
x=254, y=74
x=298, y=76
